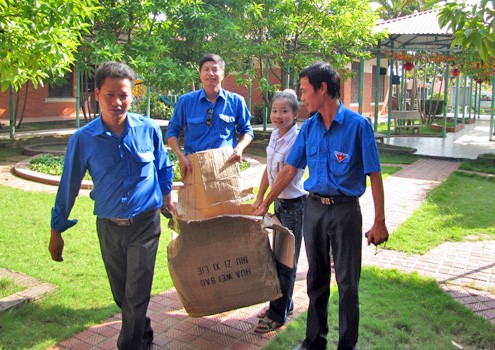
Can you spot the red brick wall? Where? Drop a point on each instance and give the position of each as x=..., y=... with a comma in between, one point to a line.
x=38, y=104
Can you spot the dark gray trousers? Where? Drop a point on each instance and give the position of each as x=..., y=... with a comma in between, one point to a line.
x=129, y=254
x=332, y=230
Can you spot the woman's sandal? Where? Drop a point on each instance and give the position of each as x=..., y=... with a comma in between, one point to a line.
x=264, y=312
x=266, y=325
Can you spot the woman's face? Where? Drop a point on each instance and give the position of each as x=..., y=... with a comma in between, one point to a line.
x=282, y=115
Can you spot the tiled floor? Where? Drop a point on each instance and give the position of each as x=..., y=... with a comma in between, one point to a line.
x=464, y=270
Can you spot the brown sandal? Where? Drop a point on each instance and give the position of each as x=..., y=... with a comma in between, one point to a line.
x=264, y=312
x=266, y=325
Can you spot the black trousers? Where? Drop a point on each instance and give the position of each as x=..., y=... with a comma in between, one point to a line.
x=336, y=230
x=129, y=254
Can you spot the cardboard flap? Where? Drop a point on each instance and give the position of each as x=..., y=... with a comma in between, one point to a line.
x=283, y=241
x=214, y=187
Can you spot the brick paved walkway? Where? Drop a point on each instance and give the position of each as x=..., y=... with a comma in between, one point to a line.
x=464, y=270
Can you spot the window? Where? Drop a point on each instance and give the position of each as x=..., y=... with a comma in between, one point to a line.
x=355, y=82
x=381, y=91
x=63, y=90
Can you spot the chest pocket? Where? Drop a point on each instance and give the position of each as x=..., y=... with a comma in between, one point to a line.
x=339, y=164
x=196, y=126
x=312, y=157
x=144, y=161
x=227, y=126
x=101, y=163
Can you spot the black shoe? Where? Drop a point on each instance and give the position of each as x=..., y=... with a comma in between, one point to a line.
x=147, y=343
x=301, y=346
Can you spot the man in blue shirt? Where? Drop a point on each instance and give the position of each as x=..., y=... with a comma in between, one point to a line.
x=210, y=117
x=339, y=148
x=132, y=178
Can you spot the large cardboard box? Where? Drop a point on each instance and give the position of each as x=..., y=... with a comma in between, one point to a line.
x=214, y=187
x=221, y=257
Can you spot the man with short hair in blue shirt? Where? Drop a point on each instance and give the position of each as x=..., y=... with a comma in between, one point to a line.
x=132, y=176
x=339, y=148
x=210, y=117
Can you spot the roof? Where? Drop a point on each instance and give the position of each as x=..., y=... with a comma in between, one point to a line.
x=419, y=31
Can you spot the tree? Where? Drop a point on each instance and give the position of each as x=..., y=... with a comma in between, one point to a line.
x=390, y=9
x=283, y=36
x=38, y=39
x=473, y=26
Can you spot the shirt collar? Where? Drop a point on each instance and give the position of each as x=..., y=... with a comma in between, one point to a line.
x=132, y=121
x=288, y=135
x=339, y=115
x=221, y=94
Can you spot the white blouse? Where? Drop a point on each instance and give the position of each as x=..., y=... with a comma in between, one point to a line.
x=277, y=151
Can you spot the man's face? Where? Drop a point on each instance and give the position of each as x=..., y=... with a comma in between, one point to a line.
x=115, y=98
x=312, y=99
x=211, y=74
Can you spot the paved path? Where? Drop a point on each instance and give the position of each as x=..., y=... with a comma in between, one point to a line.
x=458, y=267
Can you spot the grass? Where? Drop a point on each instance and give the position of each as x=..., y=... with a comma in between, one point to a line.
x=457, y=210
x=84, y=298
x=398, y=310
x=401, y=311
x=8, y=287
x=485, y=163
x=391, y=157
x=424, y=131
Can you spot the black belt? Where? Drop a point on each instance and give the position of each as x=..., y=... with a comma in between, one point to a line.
x=292, y=200
x=135, y=219
x=333, y=200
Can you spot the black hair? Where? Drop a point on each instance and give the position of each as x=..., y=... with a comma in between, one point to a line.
x=321, y=72
x=113, y=70
x=289, y=95
x=211, y=57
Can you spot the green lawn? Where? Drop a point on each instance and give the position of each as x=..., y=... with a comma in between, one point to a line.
x=401, y=311
x=458, y=209
x=84, y=298
x=398, y=311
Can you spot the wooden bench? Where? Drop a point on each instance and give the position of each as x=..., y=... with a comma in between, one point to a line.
x=406, y=120
x=379, y=137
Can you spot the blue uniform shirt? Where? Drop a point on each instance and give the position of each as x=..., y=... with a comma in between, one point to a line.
x=130, y=172
x=230, y=116
x=339, y=158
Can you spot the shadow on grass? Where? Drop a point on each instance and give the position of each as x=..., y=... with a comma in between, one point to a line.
x=40, y=326
x=401, y=311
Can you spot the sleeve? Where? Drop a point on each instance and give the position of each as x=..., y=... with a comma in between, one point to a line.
x=297, y=154
x=70, y=183
x=243, y=118
x=369, y=149
x=163, y=164
x=178, y=120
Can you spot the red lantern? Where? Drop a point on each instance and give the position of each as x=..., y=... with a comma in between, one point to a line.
x=455, y=72
x=408, y=66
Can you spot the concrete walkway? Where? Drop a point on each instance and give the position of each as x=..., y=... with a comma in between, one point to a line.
x=464, y=270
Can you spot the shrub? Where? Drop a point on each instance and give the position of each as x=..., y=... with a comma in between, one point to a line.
x=158, y=109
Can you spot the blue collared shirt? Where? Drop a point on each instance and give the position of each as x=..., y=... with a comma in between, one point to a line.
x=338, y=158
x=230, y=116
x=130, y=172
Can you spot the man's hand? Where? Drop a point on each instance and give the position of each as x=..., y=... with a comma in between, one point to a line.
x=378, y=234
x=236, y=155
x=56, y=246
x=185, y=167
x=261, y=210
x=168, y=208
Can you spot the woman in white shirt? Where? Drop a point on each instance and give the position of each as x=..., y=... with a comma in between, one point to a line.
x=288, y=206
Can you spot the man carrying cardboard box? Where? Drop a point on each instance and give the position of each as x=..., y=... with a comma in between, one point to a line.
x=210, y=117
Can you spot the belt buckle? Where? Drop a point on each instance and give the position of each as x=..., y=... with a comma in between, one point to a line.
x=123, y=222
x=326, y=201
